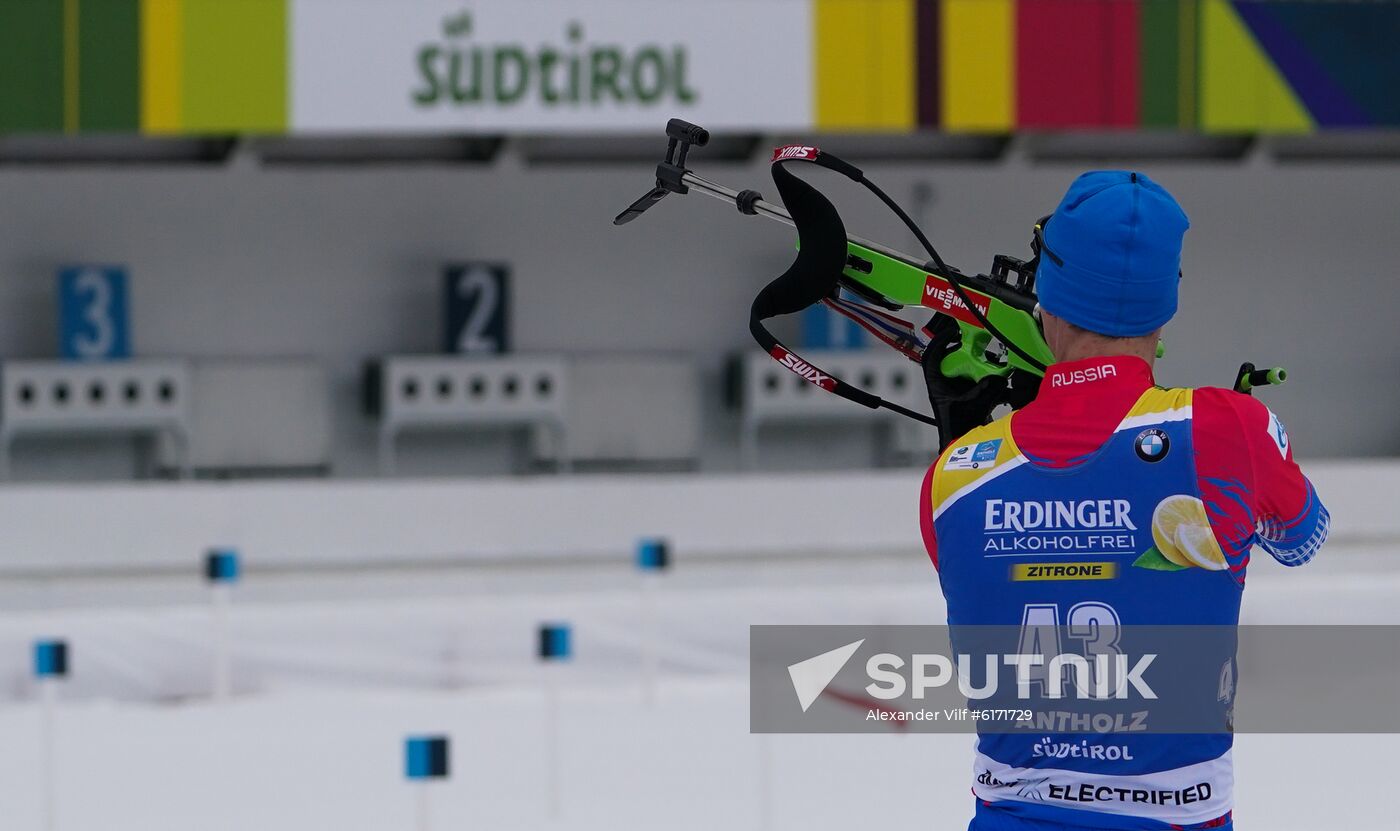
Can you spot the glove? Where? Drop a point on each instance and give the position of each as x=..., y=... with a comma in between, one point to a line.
x=960, y=404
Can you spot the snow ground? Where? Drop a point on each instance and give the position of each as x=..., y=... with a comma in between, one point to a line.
x=332, y=670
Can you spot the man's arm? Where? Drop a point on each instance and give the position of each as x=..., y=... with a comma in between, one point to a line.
x=1254, y=490
x=926, y=513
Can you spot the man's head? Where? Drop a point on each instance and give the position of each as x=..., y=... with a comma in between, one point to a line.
x=1110, y=262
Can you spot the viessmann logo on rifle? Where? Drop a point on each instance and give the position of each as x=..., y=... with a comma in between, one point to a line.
x=941, y=296
x=803, y=368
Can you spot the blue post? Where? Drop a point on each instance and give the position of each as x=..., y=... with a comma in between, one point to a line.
x=653, y=554
x=424, y=761
x=653, y=560
x=555, y=646
x=50, y=667
x=221, y=571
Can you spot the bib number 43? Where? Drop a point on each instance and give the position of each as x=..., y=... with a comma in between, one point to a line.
x=1077, y=654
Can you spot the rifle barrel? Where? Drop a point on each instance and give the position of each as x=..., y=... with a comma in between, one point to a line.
x=780, y=214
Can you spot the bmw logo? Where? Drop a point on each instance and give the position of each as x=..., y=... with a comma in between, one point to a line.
x=1152, y=445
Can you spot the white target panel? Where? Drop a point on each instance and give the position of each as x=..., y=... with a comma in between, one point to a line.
x=422, y=392
x=773, y=394
x=56, y=397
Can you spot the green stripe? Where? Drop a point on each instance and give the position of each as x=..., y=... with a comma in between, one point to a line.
x=109, y=33
x=1160, y=22
x=235, y=56
x=31, y=66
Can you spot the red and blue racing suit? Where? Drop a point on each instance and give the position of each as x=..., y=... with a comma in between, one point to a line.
x=1103, y=470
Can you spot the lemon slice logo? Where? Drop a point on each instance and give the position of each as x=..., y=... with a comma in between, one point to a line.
x=1181, y=531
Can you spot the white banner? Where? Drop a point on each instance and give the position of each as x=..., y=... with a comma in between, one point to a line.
x=549, y=65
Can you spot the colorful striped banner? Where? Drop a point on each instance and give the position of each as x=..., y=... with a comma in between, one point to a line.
x=31, y=66
x=1240, y=89
x=1077, y=64
x=154, y=66
x=977, y=40
x=863, y=79
x=234, y=75
x=108, y=64
x=162, y=79
x=183, y=67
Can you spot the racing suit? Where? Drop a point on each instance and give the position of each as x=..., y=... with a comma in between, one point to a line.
x=1139, y=504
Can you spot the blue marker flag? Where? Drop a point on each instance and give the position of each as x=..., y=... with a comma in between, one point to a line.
x=425, y=757
x=555, y=642
x=50, y=659
x=653, y=554
x=221, y=565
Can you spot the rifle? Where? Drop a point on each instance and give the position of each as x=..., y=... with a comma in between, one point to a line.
x=985, y=328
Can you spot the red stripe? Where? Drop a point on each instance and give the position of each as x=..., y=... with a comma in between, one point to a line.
x=1077, y=63
x=926, y=514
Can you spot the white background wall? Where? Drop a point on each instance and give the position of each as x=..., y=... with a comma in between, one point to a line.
x=1285, y=264
x=78, y=530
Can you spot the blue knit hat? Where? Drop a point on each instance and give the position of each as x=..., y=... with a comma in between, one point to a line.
x=1111, y=254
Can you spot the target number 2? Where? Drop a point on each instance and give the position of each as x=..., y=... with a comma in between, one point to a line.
x=477, y=296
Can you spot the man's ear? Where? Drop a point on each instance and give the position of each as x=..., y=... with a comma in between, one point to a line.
x=1054, y=330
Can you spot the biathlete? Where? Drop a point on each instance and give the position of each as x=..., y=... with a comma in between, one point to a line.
x=1174, y=487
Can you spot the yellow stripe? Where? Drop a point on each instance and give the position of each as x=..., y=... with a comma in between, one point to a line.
x=1156, y=401
x=1241, y=89
x=865, y=65
x=979, y=65
x=71, y=58
x=162, y=67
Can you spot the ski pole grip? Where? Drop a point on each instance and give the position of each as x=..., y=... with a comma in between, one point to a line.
x=682, y=130
x=1265, y=377
x=1250, y=377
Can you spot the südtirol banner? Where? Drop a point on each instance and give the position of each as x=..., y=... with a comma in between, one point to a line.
x=548, y=65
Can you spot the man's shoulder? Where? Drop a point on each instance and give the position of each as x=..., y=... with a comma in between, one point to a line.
x=973, y=458
x=1163, y=403
x=1229, y=421
x=1243, y=405
x=1190, y=400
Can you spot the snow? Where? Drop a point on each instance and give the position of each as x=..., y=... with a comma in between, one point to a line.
x=333, y=671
